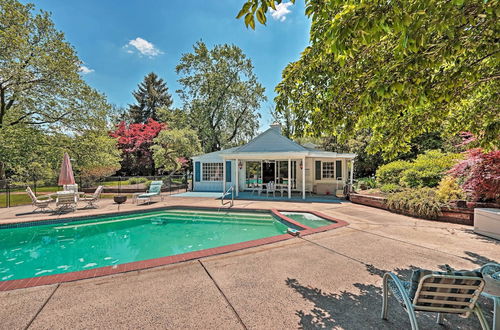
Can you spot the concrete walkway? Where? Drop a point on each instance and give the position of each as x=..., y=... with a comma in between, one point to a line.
x=322, y=281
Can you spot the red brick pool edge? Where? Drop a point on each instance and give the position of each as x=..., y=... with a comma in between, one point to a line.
x=163, y=261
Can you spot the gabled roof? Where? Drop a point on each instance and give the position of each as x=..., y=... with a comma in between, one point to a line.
x=270, y=141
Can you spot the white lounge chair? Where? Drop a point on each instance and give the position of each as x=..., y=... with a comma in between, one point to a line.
x=452, y=292
x=39, y=204
x=92, y=199
x=153, y=191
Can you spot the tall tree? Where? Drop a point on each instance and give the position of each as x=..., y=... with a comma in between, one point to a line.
x=151, y=94
x=135, y=141
x=173, y=146
x=221, y=95
x=41, y=92
x=401, y=68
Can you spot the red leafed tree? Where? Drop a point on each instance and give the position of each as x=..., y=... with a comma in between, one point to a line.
x=135, y=141
x=479, y=174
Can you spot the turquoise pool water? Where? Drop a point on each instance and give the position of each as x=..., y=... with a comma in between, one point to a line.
x=106, y=241
x=308, y=219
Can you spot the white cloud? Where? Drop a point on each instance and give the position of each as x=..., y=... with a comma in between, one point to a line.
x=281, y=11
x=85, y=69
x=144, y=47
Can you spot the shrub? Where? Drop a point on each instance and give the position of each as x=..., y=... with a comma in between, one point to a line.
x=391, y=173
x=390, y=188
x=449, y=190
x=366, y=183
x=428, y=169
x=137, y=180
x=479, y=174
x=421, y=202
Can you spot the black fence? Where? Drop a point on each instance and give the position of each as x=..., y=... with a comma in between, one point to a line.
x=14, y=193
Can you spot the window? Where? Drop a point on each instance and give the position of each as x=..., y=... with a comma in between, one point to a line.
x=328, y=170
x=212, y=171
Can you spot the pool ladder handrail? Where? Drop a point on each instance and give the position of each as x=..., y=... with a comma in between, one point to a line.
x=231, y=202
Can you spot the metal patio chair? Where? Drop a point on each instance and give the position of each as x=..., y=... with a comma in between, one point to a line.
x=92, y=199
x=453, y=292
x=39, y=204
x=66, y=202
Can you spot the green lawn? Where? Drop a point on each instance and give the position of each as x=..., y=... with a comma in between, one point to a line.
x=15, y=200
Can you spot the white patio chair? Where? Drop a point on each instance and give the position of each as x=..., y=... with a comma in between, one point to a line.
x=39, y=204
x=66, y=202
x=454, y=292
x=71, y=187
x=270, y=188
x=92, y=199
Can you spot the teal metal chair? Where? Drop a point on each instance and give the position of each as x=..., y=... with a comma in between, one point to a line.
x=153, y=191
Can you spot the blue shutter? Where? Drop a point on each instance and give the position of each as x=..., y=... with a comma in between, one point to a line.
x=338, y=169
x=228, y=171
x=197, y=171
x=318, y=170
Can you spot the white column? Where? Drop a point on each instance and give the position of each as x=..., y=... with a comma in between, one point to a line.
x=223, y=176
x=352, y=171
x=237, y=183
x=304, y=178
x=289, y=178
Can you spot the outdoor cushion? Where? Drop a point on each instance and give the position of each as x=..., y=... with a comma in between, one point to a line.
x=147, y=195
x=418, y=274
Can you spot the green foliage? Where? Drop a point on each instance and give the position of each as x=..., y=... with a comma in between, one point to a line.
x=45, y=106
x=428, y=169
x=421, y=202
x=173, y=146
x=136, y=180
x=390, y=188
x=151, y=95
x=425, y=171
x=39, y=72
x=366, y=183
x=401, y=68
x=221, y=95
x=391, y=173
x=449, y=190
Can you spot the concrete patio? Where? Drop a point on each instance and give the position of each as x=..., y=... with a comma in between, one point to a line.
x=322, y=281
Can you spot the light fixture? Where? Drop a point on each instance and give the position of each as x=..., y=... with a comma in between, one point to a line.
x=301, y=165
x=240, y=164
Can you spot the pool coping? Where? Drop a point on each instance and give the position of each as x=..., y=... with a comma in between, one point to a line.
x=163, y=261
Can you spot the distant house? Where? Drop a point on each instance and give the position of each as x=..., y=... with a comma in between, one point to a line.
x=271, y=157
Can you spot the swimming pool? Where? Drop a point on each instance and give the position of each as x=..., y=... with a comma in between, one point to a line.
x=308, y=219
x=70, y=246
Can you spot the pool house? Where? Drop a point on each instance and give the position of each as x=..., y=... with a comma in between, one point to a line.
x=272, y=160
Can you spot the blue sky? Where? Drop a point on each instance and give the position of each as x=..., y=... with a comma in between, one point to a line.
x=121, y=41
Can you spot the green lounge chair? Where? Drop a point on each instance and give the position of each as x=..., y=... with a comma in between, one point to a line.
x=153, y=191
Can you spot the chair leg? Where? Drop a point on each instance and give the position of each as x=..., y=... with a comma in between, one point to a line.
x=440, y=319
x=385, y=296
x=413, y=318
x=482, y=320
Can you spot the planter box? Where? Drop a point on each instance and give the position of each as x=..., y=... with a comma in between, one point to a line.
x=460, y=215
x=487, y=222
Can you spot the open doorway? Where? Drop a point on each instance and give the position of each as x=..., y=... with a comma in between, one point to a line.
x=268, y=171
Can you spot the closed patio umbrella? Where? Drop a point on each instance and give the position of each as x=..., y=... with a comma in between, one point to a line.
x=66, y=175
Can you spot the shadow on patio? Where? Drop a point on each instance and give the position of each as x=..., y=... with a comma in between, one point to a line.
x=361, y=307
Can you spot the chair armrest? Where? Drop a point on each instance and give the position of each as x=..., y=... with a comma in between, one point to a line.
x=399, y=284
x=44, y=198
